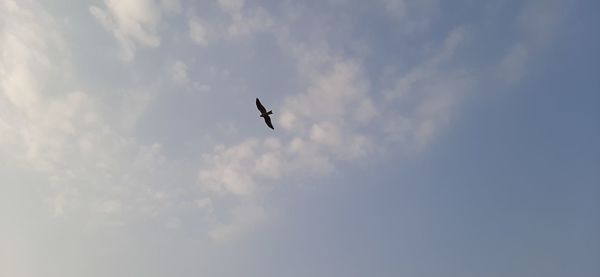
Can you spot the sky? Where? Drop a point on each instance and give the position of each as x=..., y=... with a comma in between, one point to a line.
x=412, y=138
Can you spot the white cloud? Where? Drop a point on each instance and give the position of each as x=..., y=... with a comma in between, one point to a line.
x=398, y=7
x=308, y=157
x=322, y=121
x=179, y=73
x=418, y=77
x=80, y=143
x=326, y=134
x=536, y=25
x=336, y=120
x=231, y=172
x=427, y=95
x=198, y=32
x=174, y=223
x=171, y=6
x=414, y=15
x=245, y=21
x=324, y=128
x=268, y=165
x=539, y=19
x=257, y=20
x=241, y=219
x=512, y=66
x=335, y=96
x=75, y=137
x=108, y=207
x=132, y=22
x=232, y=7
x=85, y=144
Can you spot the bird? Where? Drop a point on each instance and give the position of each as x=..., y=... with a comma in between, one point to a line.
x=264, y=114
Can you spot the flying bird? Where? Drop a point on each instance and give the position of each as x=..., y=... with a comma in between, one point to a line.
x=264, y=114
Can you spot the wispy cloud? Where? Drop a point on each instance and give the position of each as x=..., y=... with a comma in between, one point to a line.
x=133, y=22
x=341, y=111
x=337, y=119
x=171, y=6
x=415, y=16
x=242, y=22
x=198, y=32
x=536, y=26
x=428, y=94
x=179, y=73
x=57, y=127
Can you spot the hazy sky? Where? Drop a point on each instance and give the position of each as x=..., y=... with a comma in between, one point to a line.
x=412, y=138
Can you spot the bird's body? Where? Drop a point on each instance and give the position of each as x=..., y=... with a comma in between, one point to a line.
x=264, y=114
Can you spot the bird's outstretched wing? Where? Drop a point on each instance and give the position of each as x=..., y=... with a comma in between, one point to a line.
x=268, y=121
x=260, y=107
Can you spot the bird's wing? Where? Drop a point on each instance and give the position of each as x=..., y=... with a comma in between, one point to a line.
x=260, y=107
x=268, y=121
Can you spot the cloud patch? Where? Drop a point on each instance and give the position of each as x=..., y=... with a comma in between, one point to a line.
x=86, y=144
x=132, y=23
x=178, y=72
x=536, y=26
x=337, y=119
x=60, y=129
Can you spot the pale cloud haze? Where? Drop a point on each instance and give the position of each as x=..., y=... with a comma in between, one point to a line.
x=412, y=138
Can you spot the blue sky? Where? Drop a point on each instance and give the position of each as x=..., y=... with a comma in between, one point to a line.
x=412, y=138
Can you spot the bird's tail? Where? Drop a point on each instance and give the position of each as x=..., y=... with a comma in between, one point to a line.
x=270, y=112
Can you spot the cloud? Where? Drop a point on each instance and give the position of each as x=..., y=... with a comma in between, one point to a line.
x=108, y=207
x=133, y=22
x=414, y=15
x=198, y=32
x=231, y=172
x=243, y=219
x=245, y=21
x=324, y=129
x=513, y=66
x=232, y=7
x=427, y=93
x=336, y=119
x=171, y=6
x=179, y=74
x=253, y=21
x=538, y=20
x=83, y=139
x=335, y=96
x=79, y=143
x=536, y=26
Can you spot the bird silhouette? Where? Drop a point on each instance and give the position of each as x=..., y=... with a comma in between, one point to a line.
x=264, y=114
